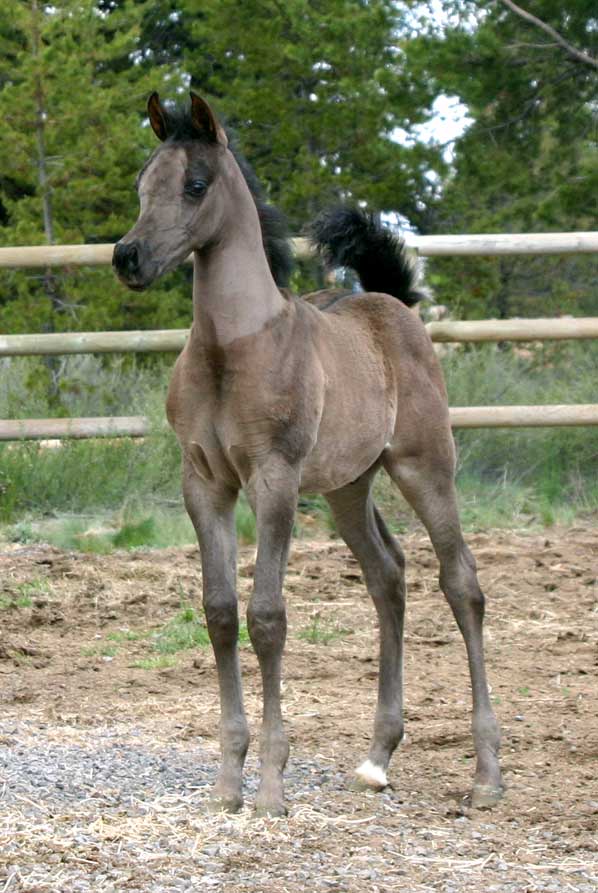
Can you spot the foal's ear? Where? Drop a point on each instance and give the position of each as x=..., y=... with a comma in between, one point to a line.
x=157, y=116
x=205, y=121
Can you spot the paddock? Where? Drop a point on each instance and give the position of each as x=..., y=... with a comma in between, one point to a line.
x=108, y=754
x=107, y=765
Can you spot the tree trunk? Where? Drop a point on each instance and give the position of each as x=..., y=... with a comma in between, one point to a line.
x=50, y=282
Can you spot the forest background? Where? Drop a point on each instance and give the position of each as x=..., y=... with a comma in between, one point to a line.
x=329, y=100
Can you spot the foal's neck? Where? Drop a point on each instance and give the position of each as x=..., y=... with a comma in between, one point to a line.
x=234, y=294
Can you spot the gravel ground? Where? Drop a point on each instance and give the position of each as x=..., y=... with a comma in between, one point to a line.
x=116, y=809
x=105, y=768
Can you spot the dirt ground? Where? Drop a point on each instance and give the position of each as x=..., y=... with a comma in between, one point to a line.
x=105, y=766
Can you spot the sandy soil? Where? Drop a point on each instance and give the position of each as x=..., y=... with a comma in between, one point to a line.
x=68, y=689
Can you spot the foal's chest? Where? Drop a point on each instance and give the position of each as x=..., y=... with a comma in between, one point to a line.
x=229, y=419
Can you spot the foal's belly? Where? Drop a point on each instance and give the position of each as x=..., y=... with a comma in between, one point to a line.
x=325, y=471
x=351, y=438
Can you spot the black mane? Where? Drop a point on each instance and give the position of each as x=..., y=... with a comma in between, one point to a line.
x=275, y=229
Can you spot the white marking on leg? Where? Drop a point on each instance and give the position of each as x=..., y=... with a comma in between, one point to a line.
x=372, y=775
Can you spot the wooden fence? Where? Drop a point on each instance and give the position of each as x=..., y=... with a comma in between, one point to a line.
x=426, y=246
x=174, y=339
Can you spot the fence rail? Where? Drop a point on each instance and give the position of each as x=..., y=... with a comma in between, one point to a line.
x=164, y=340
x=461, y=417
x=174, y=339
x=167, y=340
x=74, y=429
x=425, y=246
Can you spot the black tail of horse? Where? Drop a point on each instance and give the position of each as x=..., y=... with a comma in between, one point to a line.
x=349, y=237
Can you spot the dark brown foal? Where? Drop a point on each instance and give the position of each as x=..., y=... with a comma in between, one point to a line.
x=275, y=395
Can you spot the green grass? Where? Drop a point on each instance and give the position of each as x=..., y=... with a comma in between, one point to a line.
x=37, y=586
x=127, y=635
x=100, y=650
x=26, y=592
x=557, y=466
x=104, y=532
x=92, y=475
x=7, y=603
x=186, y=630
x=162, y=662
x=319, y=632
x=100, y=495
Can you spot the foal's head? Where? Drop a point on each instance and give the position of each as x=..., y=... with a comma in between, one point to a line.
x=185, y=196
x=182, y=193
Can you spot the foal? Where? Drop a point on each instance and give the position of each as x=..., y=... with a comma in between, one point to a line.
x=275, y=396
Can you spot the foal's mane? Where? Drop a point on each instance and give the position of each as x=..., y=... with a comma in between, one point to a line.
x=275, y=228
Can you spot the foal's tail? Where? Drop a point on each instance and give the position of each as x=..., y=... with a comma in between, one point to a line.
x=348, y=237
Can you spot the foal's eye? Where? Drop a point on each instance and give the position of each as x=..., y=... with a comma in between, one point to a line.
x=196, y=187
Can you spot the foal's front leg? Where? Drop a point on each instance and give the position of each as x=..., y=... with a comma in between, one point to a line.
x=211, y=508
x=274, y=495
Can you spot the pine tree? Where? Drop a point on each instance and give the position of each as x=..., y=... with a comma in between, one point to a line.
x=71, y=144
x=315, y=91
x=527, y=162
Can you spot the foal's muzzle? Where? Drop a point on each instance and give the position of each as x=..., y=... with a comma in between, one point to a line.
x=127, y=263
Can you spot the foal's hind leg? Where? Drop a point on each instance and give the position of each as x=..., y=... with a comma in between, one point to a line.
x=427, y=482
x=382, y=563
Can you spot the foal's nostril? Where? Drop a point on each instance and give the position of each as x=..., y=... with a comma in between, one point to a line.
x=126, y=258
x=133, y=259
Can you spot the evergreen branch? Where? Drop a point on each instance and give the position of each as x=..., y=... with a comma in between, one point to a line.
x=532, y=103
x=534, y=46
x=578, y=55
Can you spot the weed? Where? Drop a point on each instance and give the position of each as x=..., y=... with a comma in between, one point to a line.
x=155, y=663
x=33, y=587
x=25, y=593
x=22, y=659
x=133, y=535
x=185, y=630
x=108, y=651
x=318, y=633
x=23, y=533
x=100, y=650
x=127, y=635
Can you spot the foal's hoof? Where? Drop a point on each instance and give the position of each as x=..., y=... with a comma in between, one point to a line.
x=485, y=796
x=269, y=802
x=369, y=777
x=271, y=811
x=225, y=804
